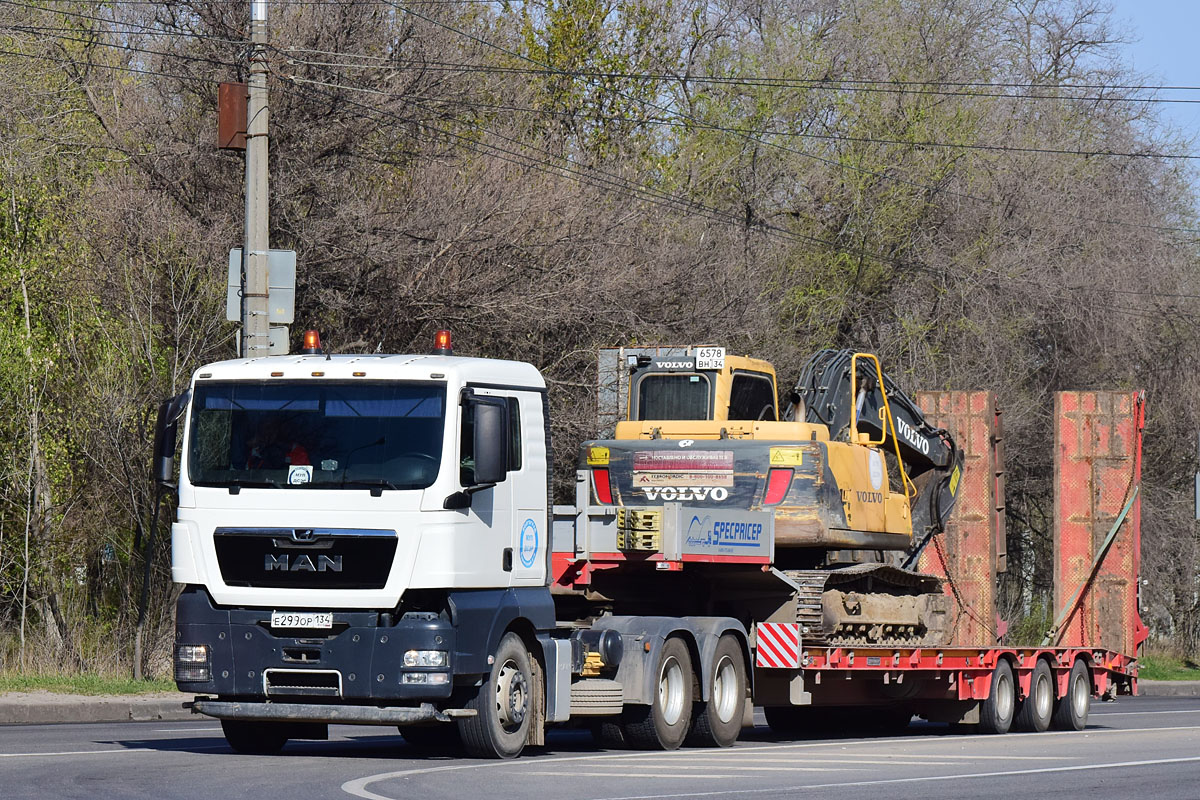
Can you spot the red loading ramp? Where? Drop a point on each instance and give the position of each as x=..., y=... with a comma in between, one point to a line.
x=971, y=550
x=1098, y=468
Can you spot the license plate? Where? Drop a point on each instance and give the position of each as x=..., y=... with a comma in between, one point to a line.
x=301, y=619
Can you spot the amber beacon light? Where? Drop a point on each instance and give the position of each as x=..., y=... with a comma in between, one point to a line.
x=442, y=345
x=312, y=344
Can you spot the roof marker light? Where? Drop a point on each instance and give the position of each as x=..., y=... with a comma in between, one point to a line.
x=441, y=344
x=312, y=344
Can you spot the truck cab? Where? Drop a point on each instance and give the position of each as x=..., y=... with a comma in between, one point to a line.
x=359, y=530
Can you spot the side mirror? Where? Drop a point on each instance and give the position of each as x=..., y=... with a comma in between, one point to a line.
x=166, y=430
x=491, y=439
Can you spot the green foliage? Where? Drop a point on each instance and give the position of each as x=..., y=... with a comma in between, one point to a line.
x=81, y=684
x=1167, y=666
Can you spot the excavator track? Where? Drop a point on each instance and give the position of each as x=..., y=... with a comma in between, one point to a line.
x=869, y=605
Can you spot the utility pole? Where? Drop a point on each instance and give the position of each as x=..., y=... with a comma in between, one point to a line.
x=256, y=336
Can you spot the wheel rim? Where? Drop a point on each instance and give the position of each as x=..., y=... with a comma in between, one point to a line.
x=670, y=691
x=725, y=690
x=1005, y=696
x=1043, y=698
x=1079, y=695
x=512, y=696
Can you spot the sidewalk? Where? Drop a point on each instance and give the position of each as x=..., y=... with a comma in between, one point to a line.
x=40, y=707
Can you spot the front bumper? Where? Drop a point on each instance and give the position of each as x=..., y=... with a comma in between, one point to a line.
x=359, y=660
x=326, y=713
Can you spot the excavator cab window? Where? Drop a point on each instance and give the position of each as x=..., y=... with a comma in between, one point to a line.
x=752, y=397
x=674, y=395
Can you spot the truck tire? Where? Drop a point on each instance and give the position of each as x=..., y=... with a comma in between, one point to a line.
x=504, y=704
x=664, y=724
x=1034, y=712
x=718, y=722
x=1071, y=710
x=996, y=712
x=254, y=738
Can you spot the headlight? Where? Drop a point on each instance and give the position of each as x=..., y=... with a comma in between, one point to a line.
x=425, y=658
x=191, y=653
x=191, y=663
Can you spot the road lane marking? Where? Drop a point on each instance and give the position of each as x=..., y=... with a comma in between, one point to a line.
x=679, y=775
x=65, y=753
x=1129, y=713
x=358, y=786
x=896, y=762
x=137, y=749
x=923, y=779
x=185, y=730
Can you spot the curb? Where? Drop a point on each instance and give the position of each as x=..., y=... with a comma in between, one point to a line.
x=1169, y=688
x=33, y=708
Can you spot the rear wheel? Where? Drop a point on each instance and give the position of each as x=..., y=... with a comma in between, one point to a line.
x=996, y=712
x=1033, y=713
x=664, y=724
x=718, y=722
x=504, y=705
x=1071, y=710
x=254, y=738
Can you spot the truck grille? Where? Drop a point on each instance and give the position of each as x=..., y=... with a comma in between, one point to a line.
x=302, y=558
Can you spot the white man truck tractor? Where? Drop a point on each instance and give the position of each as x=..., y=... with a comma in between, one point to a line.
x=369, y=539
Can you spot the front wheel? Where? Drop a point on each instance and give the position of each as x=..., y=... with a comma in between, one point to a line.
x=664, y=724
x=718, y=723
x=504, y=705
x=254, y=738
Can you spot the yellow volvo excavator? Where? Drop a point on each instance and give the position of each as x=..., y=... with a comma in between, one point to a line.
x=855, y=477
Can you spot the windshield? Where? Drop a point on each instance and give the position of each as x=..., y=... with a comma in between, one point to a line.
x=677, y=395
x=316, y=435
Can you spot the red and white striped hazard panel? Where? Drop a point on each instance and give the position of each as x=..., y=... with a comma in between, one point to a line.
x=778, y=645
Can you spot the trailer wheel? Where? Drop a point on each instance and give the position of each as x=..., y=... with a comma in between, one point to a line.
x=664, y=724
x=1034, y=712
x=254, y=738
x=718, y=723
x=1071, y=710
x=996, y=712
x=504, y=705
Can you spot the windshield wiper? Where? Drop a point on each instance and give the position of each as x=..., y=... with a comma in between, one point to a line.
x=376, y=485
x=238, y=485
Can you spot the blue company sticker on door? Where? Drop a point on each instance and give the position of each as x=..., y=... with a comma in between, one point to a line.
x=529, y=543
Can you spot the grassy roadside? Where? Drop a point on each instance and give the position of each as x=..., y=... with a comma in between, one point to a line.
x=1165, y=667
x=81, y=684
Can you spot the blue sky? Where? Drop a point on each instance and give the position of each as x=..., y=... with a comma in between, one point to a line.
x=1167, y=32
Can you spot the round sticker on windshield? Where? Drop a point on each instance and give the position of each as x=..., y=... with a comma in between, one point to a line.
x=299, y=474
x=875, y=464
x=529, y=543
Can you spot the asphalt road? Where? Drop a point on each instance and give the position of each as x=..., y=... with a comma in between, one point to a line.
x=1148, y=747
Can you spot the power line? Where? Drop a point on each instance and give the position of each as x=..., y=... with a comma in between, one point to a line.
x=829, y=136
x=831, y=84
